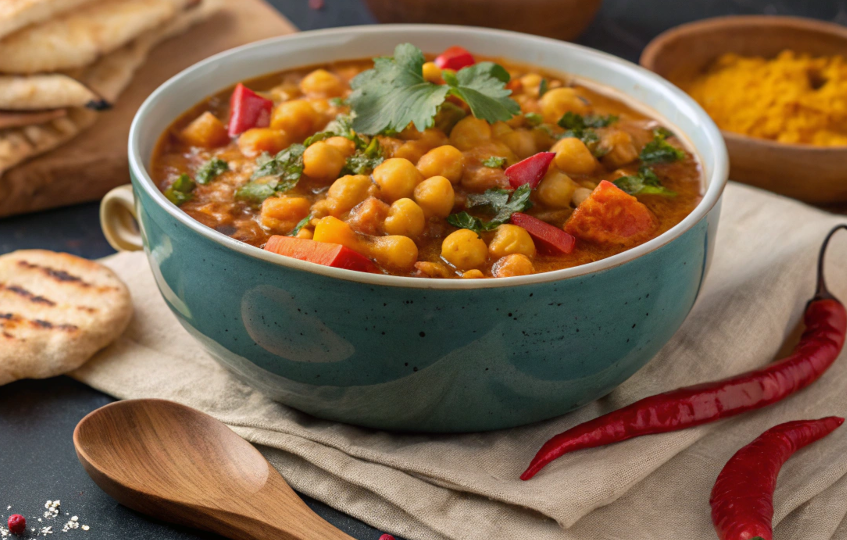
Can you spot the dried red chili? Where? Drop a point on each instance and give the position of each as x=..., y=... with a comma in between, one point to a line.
x=826, y=326
x=742, y=499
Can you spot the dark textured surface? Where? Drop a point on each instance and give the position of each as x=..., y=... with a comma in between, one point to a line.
x=37, y=418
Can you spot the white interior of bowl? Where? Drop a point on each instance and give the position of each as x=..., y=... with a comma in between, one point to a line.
x=668, y=103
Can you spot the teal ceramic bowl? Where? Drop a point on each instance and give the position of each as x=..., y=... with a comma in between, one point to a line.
x=422, y=354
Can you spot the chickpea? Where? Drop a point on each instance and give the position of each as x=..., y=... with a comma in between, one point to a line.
x=304, y=233
x=322, y=83
x=556, y=102
x=405, y=218
x=621, y=147
x=556, y=189
x=347, y=192
x=531, y=82
x=573, y=157
x=470, y=132
x=206, y=131
x=343, y=145
x=322, y=161
x=431, y=72
x=513, y=265
x=511, y=239
x=397, y=251
x=579, y=195
x=321, y=106
x=297, y=118
x=464, y=249
x=281, y=214
x=396, y=179
x=257, y=140
x=435, y=196
x=473, y=274
x=432, y=138
x=446, y=161
x=411, y=150
x=521, y=142
x=499, y=129
x=334, y=231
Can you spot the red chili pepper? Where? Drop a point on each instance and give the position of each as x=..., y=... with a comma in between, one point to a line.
x=826, y=325
x=454, y=58
x=547, y=238
x=323, y=253
x=530, y=170
x=247, y=110
x=742, y=499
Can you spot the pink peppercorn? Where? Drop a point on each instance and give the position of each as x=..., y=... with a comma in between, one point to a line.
x=386, y=537
x=17, y=524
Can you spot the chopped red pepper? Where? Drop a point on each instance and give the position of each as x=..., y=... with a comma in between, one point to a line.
x=547, y=238
x=822, y=341
x=248, y=110
x=324, y=253
x=611, y=216
x=454, y=58
x=531, y=170
x=742, y=499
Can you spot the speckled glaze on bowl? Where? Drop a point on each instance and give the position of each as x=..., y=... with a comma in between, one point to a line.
x=422, y=354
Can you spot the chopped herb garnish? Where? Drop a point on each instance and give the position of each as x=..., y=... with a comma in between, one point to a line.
x=365, y=161
x=395, y=94
x=646, y=182
x=338, y=102
x=543, y=87
x=500, y=202
x=179, y=192
x=274, y=175
x=495, y=162
x=211, y=170
x=448, y=116
x=342, y=126
x=659, y=150
x=533, y=119
x=302, y=223
x=582, y=127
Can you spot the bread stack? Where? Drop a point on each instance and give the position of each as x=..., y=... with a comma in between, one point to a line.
x=63, y=62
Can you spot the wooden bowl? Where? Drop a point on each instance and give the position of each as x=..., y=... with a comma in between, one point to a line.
x=810, y=173
x=561, y=19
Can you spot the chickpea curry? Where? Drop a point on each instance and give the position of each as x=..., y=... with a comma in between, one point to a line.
x=449, y=168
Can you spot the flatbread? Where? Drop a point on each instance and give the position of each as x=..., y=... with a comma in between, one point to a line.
x=38, y=92
x=16, y=14
x=56, y=311
x=109, y=77
x=34, y=118
x=77, y=39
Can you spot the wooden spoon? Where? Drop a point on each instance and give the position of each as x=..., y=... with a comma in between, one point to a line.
x=179, y=465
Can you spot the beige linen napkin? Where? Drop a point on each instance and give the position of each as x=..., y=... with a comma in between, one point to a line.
x=467, y=487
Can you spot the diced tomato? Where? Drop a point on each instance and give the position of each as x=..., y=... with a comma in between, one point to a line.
x=454, y=58
x=531, y=170
x=611, y=216
x=547, y=238
x=248, y=110
x=334, y=255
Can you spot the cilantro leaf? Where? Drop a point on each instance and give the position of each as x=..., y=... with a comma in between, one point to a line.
x=533, y=119
x=179, y=192
x=300, y=224
x=211, y=170
x=274, y=175
x=543, y=87
x=365, y=161
x=659, y=150
x=395, y=94
x=495, y=162
x=582, y=127
x=500, y=202
x=342, y=126
x=448, y=116
x=646, y=182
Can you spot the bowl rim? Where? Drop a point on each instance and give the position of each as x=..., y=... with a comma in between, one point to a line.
x=689, y=30
x=714, y=190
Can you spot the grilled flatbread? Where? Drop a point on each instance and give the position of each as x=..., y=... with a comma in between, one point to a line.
x=108, y=77
x=38, y=92
x=16, y=14
x=34, y=118
x=56, y=311
x=77, y=39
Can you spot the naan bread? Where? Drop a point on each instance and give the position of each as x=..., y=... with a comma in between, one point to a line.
x=78, y=38
x=56, y=311
x=108, y=77
x=16, y=14
x=38, y=92
x=34, y=118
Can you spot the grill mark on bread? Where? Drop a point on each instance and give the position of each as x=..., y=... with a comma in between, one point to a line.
x=20, y=291
x=61, y=276
x=12, y=320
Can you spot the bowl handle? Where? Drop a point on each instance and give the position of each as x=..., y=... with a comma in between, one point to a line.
x=118, y=219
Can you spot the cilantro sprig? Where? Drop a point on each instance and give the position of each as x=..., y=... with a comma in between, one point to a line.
x=300, y=224
x=494, y=162
x=342, y=126
x=179, y=192
x=659, y=150
x=499, y=202
x=395, y=94
x=274, y=175
x=365, y=160
x=646, y=182
x=211, y=170
x=583, y=128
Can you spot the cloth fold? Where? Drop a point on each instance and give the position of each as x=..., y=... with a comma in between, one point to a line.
x=428, y=487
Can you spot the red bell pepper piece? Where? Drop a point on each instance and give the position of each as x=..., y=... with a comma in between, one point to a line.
x=454, y=58
x=324, y=253
x=248, y=110
x=531, y=170
x=547, y=238
x=611, y=216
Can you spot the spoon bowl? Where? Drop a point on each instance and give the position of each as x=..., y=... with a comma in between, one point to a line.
x=179, y=465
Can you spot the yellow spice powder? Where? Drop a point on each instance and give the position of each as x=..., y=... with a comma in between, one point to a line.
x=793, y=98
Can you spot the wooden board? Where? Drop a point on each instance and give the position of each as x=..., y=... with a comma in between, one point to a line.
x=96, y=161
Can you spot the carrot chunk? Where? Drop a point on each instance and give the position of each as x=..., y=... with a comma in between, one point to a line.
x=611, y=216
x=326, y=254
